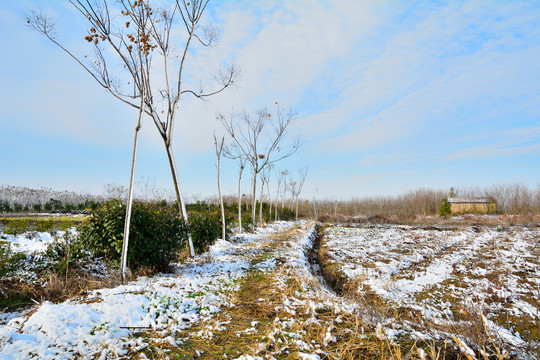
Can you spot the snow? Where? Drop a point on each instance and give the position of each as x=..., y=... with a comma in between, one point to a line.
x=101, y=322
x=31, y=242
x=445, y=273
x=432, y=271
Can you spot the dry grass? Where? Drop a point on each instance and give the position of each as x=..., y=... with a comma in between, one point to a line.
x=273, y=317
x=531, y=220
x=468, y=321
x=18, y=295
x=512, y=199
x=281, y=314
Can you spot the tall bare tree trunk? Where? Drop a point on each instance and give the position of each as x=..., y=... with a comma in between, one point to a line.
x=254, y=202
x=270, y=200
x=179, y=198
x=223, y=225
x=297, y=208
x=261, y=203
x=125, y=242
x=240, y=201
x=219, y=150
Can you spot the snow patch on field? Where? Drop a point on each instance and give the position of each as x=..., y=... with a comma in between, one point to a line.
x=31, y=243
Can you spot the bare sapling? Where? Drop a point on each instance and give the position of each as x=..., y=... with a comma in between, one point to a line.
x=295, y=187
x=292, y=188
x=265, y=178
x=125, y=243
x=127, y=38
x=314, y=206
x=218, y=144
x=285, y=190
x=257, y=138
x=282, y=174
x=241, y=167
x=241, y=161
x=268, y=193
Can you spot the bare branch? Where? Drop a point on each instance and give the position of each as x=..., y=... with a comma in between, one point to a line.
x=210, y=36
x=42, y=23
x=257, y=141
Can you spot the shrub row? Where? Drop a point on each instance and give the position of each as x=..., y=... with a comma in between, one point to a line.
x=15, y=226
x=157, y=233
x=50, y=206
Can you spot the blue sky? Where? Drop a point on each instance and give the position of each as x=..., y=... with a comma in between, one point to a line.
x=390, y=96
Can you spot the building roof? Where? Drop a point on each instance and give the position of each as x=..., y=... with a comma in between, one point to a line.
x=471, y=200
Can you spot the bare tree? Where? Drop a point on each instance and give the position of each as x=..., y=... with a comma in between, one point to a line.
x=295, y=187
x=127, y=221
x=265, y=178
x=133, y=34
x=241, y=166
x=147, y=189
x=218, y=145
x=314, y=206
x=268, y=192
x=282, y=174
x=257, y=139
x=115, y=191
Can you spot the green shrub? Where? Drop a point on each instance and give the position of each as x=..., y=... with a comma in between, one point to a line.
x=69, y=207
x=93, y=205
x=247, y=221
x=157, y=234
x=5, y=253
x=445, y=208
x=17, y=226
x=8, y=258
x=66, y=252
x=48, y=207
x=205, y=230
x=103, y=231
x=45, y=225
x=285, y=214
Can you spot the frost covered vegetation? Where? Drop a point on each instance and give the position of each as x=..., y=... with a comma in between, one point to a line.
x=479, y=285
x=401, y=292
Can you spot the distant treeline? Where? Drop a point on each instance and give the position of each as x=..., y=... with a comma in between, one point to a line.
x=17, y=199
x=512, y=199
x=20, y=200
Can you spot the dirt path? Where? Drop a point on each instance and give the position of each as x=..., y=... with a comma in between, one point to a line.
x=286, y=311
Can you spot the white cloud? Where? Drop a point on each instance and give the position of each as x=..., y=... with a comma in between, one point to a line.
x=437, y=71
x=381, y=81
x=510, y=142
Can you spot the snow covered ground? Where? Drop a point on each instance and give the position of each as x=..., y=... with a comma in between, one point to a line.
x=447, y=276
x=102, y=324
x=262, y=289
x=31, y=243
